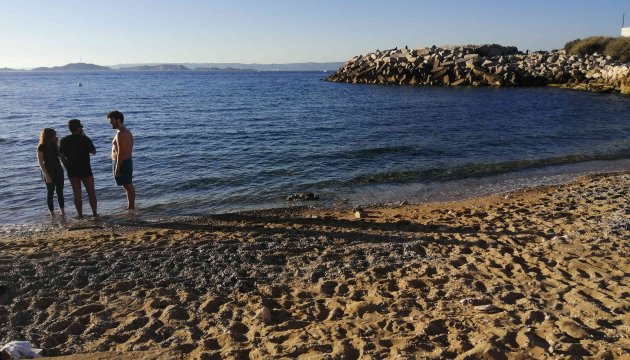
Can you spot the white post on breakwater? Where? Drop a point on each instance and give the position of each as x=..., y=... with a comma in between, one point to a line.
x=625, y=31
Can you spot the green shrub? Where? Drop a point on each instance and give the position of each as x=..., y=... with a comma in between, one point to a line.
x=619, y=49
x=570, y=44
x=590, y=45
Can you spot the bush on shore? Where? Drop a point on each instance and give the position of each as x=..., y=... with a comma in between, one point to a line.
x=617, y=48
x=568, y=46
x=590, y=45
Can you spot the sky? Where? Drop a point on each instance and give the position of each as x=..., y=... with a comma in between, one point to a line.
x=52, y=33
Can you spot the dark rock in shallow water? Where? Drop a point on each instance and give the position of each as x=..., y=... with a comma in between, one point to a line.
x=302, y=196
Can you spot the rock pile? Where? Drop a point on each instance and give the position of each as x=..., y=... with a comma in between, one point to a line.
x=485, y=65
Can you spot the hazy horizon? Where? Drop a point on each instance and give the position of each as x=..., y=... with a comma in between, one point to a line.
x=38, y=33
x=187, y=64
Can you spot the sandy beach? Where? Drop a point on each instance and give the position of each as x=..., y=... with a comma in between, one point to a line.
x=537, y=273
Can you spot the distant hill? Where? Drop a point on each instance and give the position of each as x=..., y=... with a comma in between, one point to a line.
x=160, y=67
x=74, y=67
x=310, y=66
x=214, y=68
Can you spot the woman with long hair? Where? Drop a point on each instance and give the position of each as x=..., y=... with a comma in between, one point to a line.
x=52, y=172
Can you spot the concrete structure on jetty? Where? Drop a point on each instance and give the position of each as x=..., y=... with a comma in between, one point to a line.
x=486, y=65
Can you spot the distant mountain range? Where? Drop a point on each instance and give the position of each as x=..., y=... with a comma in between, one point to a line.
x=311, y=66
x=160, y=67
x=169, y=67
x=74, y=67
x=214, y=68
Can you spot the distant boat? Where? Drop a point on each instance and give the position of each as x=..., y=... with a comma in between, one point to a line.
x=80, y=84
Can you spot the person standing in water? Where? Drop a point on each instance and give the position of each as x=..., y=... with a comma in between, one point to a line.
x=75, y=150
x=122, y=148
x=52, y=172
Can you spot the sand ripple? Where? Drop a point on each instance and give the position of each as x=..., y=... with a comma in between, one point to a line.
x=541, y=273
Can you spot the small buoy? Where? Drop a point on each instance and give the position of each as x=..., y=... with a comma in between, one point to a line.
x=80, y=84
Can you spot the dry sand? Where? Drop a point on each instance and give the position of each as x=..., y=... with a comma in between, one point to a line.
x=538, y=273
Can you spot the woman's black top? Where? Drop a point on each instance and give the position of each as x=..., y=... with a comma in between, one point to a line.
x=51, y=159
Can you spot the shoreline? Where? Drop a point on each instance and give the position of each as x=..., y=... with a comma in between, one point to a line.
x=533, y=273
x=377, y=195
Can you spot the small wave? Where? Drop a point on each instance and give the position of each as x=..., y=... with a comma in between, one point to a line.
x=272, y=173
x=16, y=141
x=368, y=153
x=468, y=170
x=205, y=182
x=382, y=150
x=140, y=98
x=226, y=109
x=14, y=117
x=18, y=229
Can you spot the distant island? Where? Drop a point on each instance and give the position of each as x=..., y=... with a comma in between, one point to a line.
x=214, y=68
x=177, y=67
x=160, y=67
x=310, y=66
x=74, y=67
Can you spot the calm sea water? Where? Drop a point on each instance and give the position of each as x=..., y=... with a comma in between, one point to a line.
x=217, y=141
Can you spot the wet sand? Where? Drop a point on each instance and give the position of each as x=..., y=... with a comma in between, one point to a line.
x=537, y=273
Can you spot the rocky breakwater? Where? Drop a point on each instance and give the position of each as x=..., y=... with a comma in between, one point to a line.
x=486, y=65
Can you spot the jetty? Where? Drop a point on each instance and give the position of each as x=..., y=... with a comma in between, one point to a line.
x=485, y=65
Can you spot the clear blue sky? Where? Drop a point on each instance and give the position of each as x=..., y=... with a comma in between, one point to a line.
x=49, y=33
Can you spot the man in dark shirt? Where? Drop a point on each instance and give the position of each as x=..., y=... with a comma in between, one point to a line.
x=75, y=150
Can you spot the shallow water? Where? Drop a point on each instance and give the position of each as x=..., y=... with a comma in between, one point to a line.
x=217, y=142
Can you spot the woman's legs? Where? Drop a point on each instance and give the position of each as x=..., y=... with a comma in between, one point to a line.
x=50, y=187
x=59, y=189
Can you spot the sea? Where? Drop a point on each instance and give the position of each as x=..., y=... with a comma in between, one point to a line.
x=226, y=141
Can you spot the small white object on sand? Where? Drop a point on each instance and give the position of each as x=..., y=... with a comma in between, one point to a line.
x=20, y=350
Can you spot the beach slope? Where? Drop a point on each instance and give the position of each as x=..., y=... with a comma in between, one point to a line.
x=538, y=273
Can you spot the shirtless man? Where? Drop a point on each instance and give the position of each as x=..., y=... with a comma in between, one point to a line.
x=122, y=147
